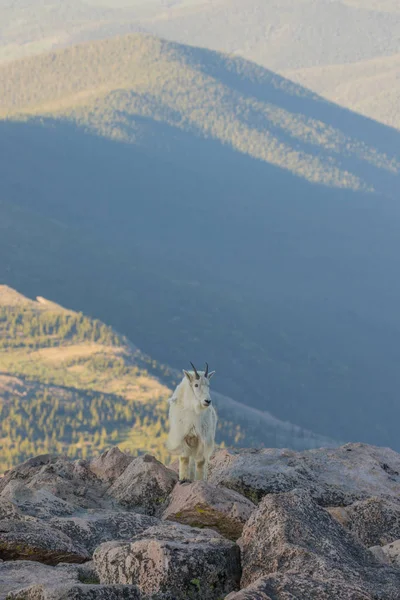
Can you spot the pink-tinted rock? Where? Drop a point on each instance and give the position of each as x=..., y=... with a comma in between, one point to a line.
x=72, y=482
x=36, y=541
x=391, y=552
x=173, y=559
x=145, y=485
x=91, y=528
x=110, y=465
x=340, y=514
x=300, y=587
x=201, y=504
x=375, y=521
x=333, y=476
x=31, y=502
x=289, y=540
x=24, y=580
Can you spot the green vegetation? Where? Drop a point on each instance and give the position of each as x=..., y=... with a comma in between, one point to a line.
x=291, y=38
x=170, y=192
x=69, y=384
x=24, y=328
x=110, y=87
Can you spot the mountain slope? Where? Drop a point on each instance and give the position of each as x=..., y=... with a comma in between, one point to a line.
x=171, y=193
x=70, y=384
x=107, y=86
x=370, y=87
x=283, y=36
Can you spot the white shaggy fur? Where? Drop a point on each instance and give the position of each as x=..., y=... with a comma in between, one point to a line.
x=193, y=422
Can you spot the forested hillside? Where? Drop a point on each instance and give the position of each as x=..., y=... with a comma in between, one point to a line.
x=70, y=384
x=143, y=90
x=202, y=205
x=345, y=50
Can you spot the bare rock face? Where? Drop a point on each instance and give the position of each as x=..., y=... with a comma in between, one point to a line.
x=89, y=529
x=334, y=477
x=375, y=521
x=24, y=580
x=72, y=482
x=172, y=559
x=144, y=485
x=298, y=587
x=297, y=548
x=110, y=465
x=389, y=553
x=203, y=505
x=21, y=500
x=36, y=541
x=252, y=592
x=306, y=525
x=378, y=552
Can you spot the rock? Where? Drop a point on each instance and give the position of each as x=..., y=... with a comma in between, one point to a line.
x=91, y=528
x=297, y=548
x=252, y=592
x=174, y=465
x=36, y=503
x=24, y=580
x=203, y=505
x=110, y=465
x=375, y=521
x=303, y=540
x=36, y=541
x=172, y=559
x=72, y=482
x=144, y=485
x=334, y=477
x=340, y=514
x=378, y=552
x=392, y=553
x=298, y=587
x=9, y=511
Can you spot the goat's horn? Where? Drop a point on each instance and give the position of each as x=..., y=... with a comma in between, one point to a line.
x=206, y=372
x=195, y=371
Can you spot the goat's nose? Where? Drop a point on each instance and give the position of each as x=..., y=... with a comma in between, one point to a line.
x=208, y=402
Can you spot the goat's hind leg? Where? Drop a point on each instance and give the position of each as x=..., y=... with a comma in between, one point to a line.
x=183, y=469
x=192, y=469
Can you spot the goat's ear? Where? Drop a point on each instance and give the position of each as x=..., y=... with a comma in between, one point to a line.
x=188, y=375
x=211, y=374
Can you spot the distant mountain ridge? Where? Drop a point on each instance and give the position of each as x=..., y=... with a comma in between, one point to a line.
x=112, y=86
x=309, y=41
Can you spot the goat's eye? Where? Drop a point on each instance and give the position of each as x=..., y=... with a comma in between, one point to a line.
x=196, y=385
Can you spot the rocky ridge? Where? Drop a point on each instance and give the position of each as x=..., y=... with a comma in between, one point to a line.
x=268, y=525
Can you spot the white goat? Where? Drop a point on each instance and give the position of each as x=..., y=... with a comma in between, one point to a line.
x=193, y=423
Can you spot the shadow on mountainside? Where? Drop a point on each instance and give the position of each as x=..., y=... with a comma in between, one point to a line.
x=255, y=81
x=107, y=84
x=289, y=289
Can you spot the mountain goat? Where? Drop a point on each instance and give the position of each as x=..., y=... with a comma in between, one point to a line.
x=193, y=423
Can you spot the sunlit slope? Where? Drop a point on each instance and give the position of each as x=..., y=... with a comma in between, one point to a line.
x=70, y=384
x=370, y=87
x=120, y=87
x=285, y=36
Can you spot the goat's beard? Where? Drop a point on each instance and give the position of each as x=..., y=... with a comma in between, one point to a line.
x=198, y=409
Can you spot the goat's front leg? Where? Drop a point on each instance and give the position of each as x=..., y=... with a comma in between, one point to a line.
x=183, y=468
x=192, y=469
x=201, y=470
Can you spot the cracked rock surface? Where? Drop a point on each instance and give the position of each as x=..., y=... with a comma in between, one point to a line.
x=268, y=524
x=172, y=558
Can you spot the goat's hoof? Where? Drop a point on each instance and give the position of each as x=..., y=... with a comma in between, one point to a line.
x=181, y=481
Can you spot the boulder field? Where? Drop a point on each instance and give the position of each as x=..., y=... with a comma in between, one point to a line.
x=269, y=524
